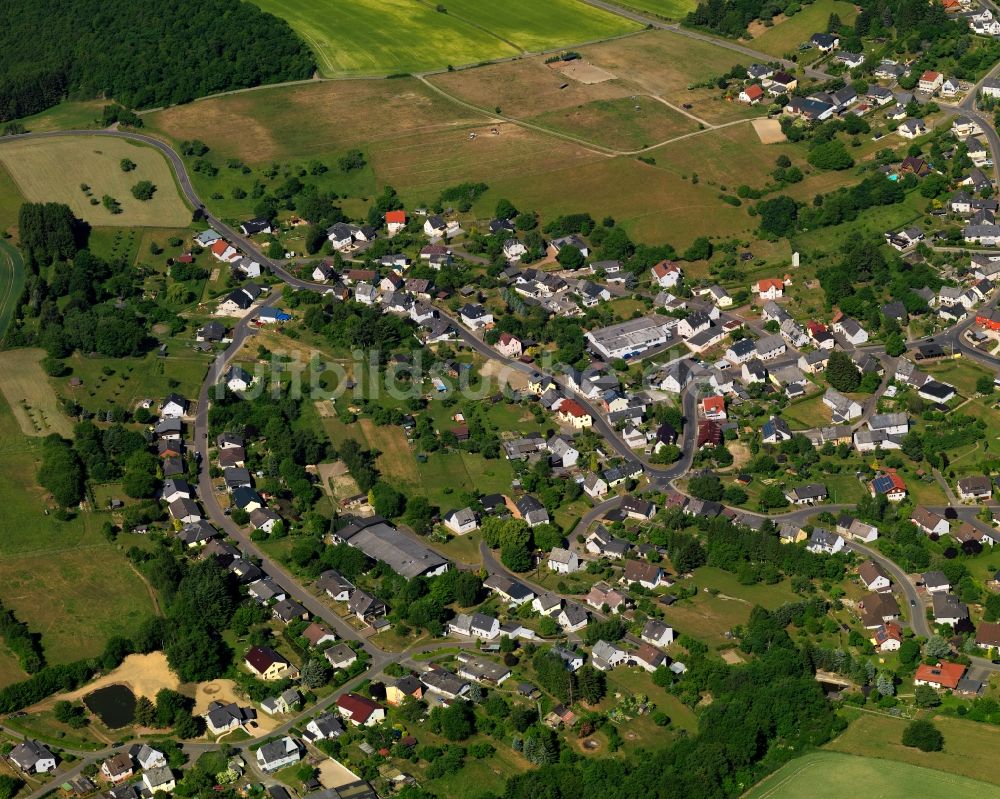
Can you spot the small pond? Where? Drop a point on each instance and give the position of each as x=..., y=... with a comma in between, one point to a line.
x=114, y=705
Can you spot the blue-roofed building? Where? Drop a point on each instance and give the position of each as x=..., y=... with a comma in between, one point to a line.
x=271, y=315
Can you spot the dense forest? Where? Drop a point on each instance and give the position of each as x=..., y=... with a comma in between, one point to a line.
x=142, y=54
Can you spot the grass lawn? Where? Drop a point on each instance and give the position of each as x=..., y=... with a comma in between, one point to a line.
x=365, y=37
x=807, y=414
x=68, y=115
x=671, y=9
x=622, y=124
x=132, y=379
x=969, y=747
x=26, y=388
x=10, y=201
x=636, y=680
x=53, y=170
x=961, y=374
x=11, y=282
x=830, y=775
x=62, y=578
x=787, y=35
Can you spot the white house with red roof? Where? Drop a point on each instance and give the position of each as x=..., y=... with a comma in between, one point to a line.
x=360, y=710
x=571, y=412
x=752, y=94
x=509, y=346
x=667, y=274
x=224, y=251
x=713, y=408
x=930, y=81
x=395, y=221
x=770, y=288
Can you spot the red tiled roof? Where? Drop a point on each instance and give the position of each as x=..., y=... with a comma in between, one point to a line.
x=946, y=675
x=770, y=282
x=395, y=217
x=571, y=407
x=713, y=404
x=930, y=75
x=753, y=92
x=358, y=707
x=220, y=246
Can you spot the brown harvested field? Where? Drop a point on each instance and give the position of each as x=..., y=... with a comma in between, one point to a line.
x=628, y=123
x=585, y=72
x=301, y=122
x=524, y=88
x=31, y=398
x=396, y=459
x=666, y=63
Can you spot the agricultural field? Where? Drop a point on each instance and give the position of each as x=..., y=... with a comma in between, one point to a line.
x=828, y=775
x=968, y=747
x=68, y=115
x=10, y=201
x=364, y=37
x=26, y=388
x=678, y=68
x=788, y=33
x=55, y=170
x=623, y=124
x=11, y=283
x=64, y=579
x=671, y=9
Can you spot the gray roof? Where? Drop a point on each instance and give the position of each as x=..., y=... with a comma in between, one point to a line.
x=401, y=553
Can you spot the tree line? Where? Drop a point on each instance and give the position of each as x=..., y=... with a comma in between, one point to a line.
x=160, y=52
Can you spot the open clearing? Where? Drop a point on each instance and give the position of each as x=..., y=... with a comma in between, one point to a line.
x=787, y=35
x=768, y=131
x=969, y=747
x=143, y=674
x=395, y=460
x=365, y=37
x=27, y=390
x=828, y=775
x=671, y=9
x=11, y=283
x=61, y=578
x=52, y=170
x=628, y=123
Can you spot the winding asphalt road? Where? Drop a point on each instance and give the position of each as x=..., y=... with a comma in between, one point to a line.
x=243, y=330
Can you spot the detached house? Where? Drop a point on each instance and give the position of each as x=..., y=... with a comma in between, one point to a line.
x=977, y=488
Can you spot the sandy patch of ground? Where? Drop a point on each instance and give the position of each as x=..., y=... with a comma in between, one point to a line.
x=731, y=656
x=768, y=131
x=225, y=691
x=505, y=375
x=758, y=28
x=143, y=674
x=740, y=453
x=333, y=774
x=585, y=73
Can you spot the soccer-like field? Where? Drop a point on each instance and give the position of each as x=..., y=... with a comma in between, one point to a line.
x=829, y=775
x=52, y=170
x=379, y=37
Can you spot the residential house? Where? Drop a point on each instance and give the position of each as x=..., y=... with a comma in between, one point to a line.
x=825, y=542
x=647, y=574
x=977, y=487
x=657, y=633
x=874, y=577
x=928, y=522
x=563, y=561
x=889, y=484
x=948, y=609
x=324, y=727
x=360, y=710
x=159, y=780
x=275, y=755
x=265, y=663
x=808, y=494
x=941, y=676
x=461, y=522
x=340, y=656
x=605, y=656
x=844, y=409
